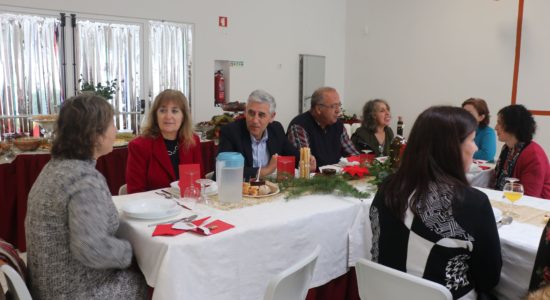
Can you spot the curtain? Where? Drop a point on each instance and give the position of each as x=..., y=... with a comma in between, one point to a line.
x=170, y=47
x=108, y=51
x=30, y=81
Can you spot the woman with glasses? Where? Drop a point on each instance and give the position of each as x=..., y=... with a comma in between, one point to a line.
x=167, y=140
x=375, y=133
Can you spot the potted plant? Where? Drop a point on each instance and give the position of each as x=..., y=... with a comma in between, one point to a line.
x=106, y=90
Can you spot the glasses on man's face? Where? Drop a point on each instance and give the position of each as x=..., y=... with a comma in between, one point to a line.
x=332, y=106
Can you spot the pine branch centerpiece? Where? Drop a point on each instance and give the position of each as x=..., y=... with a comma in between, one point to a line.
x=335, y=185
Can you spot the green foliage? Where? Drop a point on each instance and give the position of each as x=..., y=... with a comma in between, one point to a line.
x=347, y=118
x=106, y=91
x=335, y=185
x=380, y=170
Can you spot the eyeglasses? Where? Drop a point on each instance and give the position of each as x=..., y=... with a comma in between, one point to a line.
x=332, y=106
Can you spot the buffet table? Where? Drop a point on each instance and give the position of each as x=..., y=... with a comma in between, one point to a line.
x=18, y=175
x=269, y=237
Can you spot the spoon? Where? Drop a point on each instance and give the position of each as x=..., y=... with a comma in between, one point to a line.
x=505, y=221
x=258, y=174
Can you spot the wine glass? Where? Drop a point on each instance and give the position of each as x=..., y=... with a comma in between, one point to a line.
x=513, y=191
x=204, y=182
x=191, y=194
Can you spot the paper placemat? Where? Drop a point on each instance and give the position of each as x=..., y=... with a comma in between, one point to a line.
x=527, y=214
x=247, y=201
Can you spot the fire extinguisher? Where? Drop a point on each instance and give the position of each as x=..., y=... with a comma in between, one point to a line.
x=219, y=88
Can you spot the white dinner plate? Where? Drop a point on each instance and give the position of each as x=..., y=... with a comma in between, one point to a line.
x=498, y=214
x=150, y=209
x=382, y=159
x=209, y=190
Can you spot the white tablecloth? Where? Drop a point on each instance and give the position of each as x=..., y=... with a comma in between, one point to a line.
x=479, y=177
x=267, y=238
x=519, y=243
x=238, y=263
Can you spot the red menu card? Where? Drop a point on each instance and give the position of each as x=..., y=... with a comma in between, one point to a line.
x=285, y=167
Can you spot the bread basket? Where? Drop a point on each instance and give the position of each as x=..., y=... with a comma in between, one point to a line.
x=27, y=143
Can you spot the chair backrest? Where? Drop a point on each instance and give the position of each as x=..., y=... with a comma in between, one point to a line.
x=10, y=255
x=123, y=190
x=293, y=283
x=16, y=285
x=377, y=282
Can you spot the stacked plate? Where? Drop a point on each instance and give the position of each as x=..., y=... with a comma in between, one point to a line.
x=149, y=209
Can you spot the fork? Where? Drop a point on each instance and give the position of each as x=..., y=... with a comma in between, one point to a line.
x=186, y=219
x=163, y=195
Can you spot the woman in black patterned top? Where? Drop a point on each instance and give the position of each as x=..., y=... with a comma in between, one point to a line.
x=427, y=220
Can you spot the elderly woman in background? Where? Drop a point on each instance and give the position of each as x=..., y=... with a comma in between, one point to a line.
x=427, y=220
x=71, y=221
x=167, y=140
x=486, y=140
x=521, y=157
x=375, y=133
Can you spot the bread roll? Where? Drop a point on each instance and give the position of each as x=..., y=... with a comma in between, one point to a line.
x=273, y=187
x=264, y=190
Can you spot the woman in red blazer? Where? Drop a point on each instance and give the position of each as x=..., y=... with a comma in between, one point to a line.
x=521, y=157
x=167, y=140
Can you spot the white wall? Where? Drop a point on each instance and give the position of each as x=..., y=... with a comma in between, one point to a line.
x=266, y=35
x=427, y=52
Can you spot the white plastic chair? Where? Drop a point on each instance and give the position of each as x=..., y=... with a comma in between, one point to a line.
x=378, y=282
x=16, y=285
x=123, y=190
x=293, y=283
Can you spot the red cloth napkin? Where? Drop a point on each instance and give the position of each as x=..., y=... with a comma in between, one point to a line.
x=216, y=227
x=167, y=230
x=356, y=171
x=353, y=158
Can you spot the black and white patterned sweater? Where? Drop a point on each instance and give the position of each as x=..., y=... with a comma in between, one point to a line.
x=454, y=244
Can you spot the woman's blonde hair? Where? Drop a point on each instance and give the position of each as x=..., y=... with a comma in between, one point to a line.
x=185, y=132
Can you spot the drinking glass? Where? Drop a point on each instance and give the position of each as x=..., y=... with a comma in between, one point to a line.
x=204, y=183
x=8, y=139
x=513, y=191
x=191, y=194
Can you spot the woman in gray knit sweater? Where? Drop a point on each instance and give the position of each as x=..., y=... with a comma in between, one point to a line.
x=71, y=221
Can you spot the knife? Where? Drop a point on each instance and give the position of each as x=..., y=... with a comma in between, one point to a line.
x=186, y=219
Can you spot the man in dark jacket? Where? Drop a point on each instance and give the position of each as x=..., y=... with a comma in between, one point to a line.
x=258, y=137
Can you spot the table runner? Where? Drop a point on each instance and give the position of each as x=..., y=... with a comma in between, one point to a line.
x=527, y=214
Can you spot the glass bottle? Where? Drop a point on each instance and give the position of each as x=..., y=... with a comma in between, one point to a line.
x=398, y=144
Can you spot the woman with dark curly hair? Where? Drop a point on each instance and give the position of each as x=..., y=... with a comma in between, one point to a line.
x=72, y=248
x=167, y=140
x=521, y=157
x=375, y=133
x=486, y=140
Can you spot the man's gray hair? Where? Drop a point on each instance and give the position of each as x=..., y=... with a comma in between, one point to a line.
x=261, y=96
x=319, y=95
